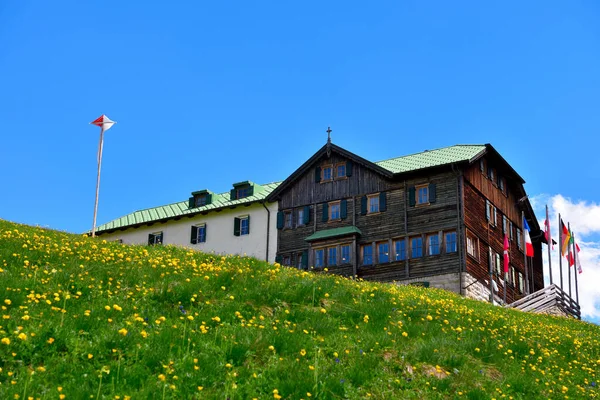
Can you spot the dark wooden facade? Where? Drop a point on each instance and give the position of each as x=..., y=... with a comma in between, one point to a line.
x=456, y=207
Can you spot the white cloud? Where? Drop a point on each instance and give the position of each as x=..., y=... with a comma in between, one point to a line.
x=584, y=218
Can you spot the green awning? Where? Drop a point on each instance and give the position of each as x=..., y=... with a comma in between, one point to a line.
x=331, y=233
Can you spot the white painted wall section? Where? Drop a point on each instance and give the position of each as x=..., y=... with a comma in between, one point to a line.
x=219, y=232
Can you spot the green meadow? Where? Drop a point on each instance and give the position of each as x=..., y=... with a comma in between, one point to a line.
x=87, y=319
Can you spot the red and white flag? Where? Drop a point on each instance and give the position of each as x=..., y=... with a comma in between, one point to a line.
x=547, y=232
x=506, y=256
x=577, y=261
x=103, y=122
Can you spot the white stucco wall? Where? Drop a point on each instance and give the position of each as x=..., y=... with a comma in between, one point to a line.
x=219, y=232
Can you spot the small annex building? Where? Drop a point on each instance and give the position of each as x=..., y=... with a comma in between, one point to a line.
x=240, y=221
x=435, y=218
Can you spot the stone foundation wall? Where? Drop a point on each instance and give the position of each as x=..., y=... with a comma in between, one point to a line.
x=450, y=282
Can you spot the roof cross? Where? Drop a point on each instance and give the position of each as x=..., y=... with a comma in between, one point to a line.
x=328, y=134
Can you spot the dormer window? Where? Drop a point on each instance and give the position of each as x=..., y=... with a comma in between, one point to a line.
x=200, y=201
x=242, y=190
x=200, y=198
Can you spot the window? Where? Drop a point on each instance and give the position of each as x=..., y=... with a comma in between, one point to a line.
x=373, y=203
x=498, y=259
x=198, y=234
x=243, y=192
x=299, y=261
x=367, y=254
x=241, y=225
x=288, y=219
x=510, y=230
x=332, y=256
x=472, y=245
x=400, y=249
x=521, y=283
x=501, y=184
x=319, y=258
x=450, y=241
x=334, y=210
x=422, y=194
x=490, y=213
x=519, y=239
x=383, y=252
x=340, y=171
x=511, y=277
x=200, y=201
x=433, y=245
x=287, y=260
x=346, y=254
x=300, y=220
x=416, y=247
x=244, y=226
x=491, y=174
x=155, y=238
x=327, y=173
x=482, y=165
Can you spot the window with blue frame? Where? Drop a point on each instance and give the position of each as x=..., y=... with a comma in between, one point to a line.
x=400, y=249
x=346, y=254
x=433, y=244
x=367, y=254
x=416, y=247
x=332, y=256
x=244, y=226
x=450, y=242
x=319, y=258
x=383, y=252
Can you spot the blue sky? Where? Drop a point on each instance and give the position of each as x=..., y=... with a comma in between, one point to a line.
x=210, y=94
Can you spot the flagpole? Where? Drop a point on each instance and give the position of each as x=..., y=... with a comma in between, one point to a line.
x=549, y=244
x=490, y=265
x=560, y=229
x=569, y=262
x=505, y=288
x=100, y=145
x=524, y=252
x=575, y=255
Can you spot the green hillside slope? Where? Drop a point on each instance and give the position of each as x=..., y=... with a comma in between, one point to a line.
x=83, y=318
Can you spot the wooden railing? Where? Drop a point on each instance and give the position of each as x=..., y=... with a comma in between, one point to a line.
x=546, y=299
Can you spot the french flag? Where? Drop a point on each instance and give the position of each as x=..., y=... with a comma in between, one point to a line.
x=528, y=244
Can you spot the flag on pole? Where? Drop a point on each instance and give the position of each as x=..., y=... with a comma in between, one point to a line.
x=570, y=256
x=103, y=122
x=577, y=261
x=528, y=243
x=548, y=233
x=506, y=256
x=566, y=237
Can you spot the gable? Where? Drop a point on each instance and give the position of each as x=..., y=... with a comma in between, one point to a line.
x=331, y=177
x=332, y=154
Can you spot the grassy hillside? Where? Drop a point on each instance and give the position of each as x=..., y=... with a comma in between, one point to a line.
x=87, y=319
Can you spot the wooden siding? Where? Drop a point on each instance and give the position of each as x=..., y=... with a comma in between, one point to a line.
x=398, y=221
x=503, y=202
x=306, y=191
x=492, y=236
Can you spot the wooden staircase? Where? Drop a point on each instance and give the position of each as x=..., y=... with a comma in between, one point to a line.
x=550, y=300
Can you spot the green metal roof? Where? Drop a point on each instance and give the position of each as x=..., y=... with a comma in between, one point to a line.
x=181, y=208
x=432, y=158
x=335, y=232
